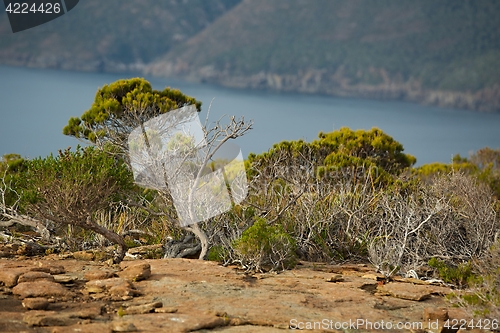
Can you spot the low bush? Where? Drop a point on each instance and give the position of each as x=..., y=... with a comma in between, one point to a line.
x=70, y=188
x=264, y=247
x=460, y=275
x=482, y=298
x=218, y=253
x=451, y=217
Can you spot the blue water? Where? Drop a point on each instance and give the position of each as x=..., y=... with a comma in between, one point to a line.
x=35, y=105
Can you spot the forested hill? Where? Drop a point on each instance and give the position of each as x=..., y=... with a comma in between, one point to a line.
x=442, y=52
x=110, y=35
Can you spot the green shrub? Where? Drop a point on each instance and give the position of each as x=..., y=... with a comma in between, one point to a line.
x=461, y=275
x=70, y=188
x=484, y=165
x=264, y=247
x=218, y=253
x=482, y=299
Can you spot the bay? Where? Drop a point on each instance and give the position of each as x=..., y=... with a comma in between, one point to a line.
x=35, y=104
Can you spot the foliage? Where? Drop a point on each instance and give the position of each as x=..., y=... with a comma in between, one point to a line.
x=10, y=165
x=484, y=164
x=458, y=163
x=374, y=146
x=487, y=161
x=218, y=253
x=451, y=216
x=345, y=147
x=429, y=170
x=460, y=275
x=11, y=210
x=69, y=189
x=348, y=195
x=123, y=106
x=482, y=298
x=344, y=153
x=86, y=170
x=120, y=107
x=266, y=247
x=326, y=193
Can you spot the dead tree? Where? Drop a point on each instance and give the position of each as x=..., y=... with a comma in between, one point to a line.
x=169, y=156
x=9, y=213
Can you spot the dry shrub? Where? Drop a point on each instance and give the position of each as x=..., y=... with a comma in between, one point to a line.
x=452, y=218
x=482, y=298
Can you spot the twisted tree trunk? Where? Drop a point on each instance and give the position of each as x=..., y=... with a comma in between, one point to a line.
x=111, y=236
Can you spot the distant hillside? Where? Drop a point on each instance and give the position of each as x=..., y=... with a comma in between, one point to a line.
x=443, y=52
x=110, y=35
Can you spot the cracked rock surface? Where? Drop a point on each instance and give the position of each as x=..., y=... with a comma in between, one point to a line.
x=185, y=295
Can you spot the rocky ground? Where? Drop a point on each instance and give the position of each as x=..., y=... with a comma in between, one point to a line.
x=78, y=293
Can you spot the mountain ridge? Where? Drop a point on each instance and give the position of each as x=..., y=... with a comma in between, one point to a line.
x=110, y=36
x=390, y=50
x=444, y=53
